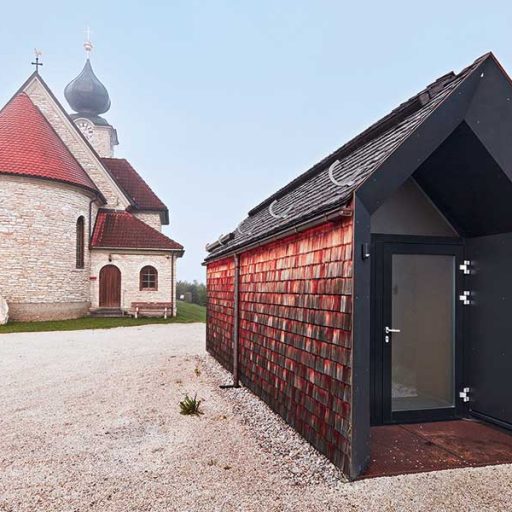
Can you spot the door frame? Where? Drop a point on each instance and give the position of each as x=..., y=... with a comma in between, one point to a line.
x=380, y=406
x=109, y=265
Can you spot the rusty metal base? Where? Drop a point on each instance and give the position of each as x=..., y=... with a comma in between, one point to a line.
x=419, y=447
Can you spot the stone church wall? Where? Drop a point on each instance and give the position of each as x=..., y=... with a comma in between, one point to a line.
x=130, y=265
x=102, y=141
x=150, y=218
x=38, y=274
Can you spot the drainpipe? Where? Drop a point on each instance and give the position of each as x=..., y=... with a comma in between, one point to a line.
x=173, y=286
x=236, y=315
x=90, y=217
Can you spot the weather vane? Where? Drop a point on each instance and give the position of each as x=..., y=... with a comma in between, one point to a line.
x=38, y=54
x=88, y=44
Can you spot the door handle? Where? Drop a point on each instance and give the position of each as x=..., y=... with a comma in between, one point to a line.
x=388, y=331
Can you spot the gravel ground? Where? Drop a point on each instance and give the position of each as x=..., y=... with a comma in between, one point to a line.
x=89, y=421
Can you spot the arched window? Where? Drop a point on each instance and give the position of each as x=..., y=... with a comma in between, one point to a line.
x=148, y=278
x=80, y=245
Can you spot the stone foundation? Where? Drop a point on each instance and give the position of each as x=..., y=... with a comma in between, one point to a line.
x=30, y=312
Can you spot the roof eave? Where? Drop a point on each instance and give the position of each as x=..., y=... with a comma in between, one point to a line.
x=95, y=192
x=179, y=252
x=330, y=215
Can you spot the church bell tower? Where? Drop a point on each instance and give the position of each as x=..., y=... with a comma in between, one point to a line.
x=89, y=98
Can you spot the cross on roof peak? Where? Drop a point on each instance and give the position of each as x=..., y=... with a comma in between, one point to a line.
x=38, y=54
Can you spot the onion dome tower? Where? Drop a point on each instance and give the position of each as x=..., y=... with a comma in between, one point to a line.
x=89, y=98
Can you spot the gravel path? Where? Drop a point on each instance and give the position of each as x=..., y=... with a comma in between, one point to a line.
x=89, y=421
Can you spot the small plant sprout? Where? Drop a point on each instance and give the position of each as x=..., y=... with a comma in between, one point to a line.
x=190, y=406
x=197, y=371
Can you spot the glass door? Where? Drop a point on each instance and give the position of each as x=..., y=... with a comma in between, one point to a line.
x=420, y=332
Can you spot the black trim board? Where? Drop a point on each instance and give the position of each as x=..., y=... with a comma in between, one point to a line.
x=360, y=342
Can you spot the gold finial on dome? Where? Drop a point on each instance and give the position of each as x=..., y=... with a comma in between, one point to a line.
x=88, y=44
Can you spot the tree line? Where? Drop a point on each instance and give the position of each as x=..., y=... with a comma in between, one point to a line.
x=194, y=292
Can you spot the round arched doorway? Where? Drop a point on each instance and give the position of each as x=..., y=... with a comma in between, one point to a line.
x=110, y=287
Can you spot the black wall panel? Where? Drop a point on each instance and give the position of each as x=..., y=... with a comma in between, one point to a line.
x=489, y=327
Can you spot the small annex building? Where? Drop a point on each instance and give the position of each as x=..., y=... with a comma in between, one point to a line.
x=375, y=288
x=80, y=230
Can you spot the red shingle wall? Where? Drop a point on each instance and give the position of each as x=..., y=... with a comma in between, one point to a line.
x=295, y=331
x=219, y=328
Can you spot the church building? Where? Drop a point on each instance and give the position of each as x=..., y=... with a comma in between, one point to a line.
x=80, y=230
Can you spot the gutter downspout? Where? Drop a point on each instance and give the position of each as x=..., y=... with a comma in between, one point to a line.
x=90, y=217
x=173, y=285
x=89, y=245
x=236, y=315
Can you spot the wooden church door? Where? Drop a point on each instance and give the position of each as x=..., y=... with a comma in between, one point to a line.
x=110, y=287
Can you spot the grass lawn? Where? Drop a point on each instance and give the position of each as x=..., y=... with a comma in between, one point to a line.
x=187, y=313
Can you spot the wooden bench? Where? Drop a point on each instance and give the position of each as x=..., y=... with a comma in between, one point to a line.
x=151, y=309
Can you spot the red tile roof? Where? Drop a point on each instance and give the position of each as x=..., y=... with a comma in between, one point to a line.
x=122, y=230
x=138, y=191
x=30, y=147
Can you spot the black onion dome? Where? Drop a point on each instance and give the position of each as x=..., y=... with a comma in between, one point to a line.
x=86, y=94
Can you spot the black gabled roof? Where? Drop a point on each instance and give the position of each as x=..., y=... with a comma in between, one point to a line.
x=313, y=193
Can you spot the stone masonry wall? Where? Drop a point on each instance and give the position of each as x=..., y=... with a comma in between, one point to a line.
x=130, y=265
x=295, y=330
x=38, y=248
x=102, y=141
x=115, y=198
x=150, y=218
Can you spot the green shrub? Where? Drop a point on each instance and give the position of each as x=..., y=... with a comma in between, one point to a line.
x=190, y=406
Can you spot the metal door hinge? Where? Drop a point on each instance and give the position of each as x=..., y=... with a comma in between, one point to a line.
x=466, y=267
x=464, y=394
x=465, y=297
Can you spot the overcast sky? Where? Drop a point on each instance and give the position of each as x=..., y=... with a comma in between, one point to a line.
x=219, y=103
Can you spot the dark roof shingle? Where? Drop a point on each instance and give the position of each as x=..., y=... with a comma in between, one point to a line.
x=314, y=193
x=116, y=229
x=137, y=190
